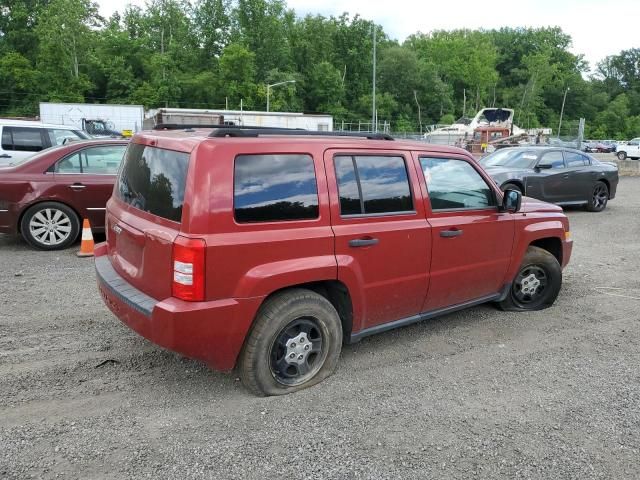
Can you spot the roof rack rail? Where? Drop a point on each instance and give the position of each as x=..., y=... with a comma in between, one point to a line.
x=184, y=126
x=188, y=126
x=230, y=131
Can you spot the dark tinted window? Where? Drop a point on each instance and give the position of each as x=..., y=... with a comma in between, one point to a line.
x=575, y=159
x=552, y=158
x=7, y=141
x=275, y=188
x=153, y=180
x=454, y=184
x=22, y=139
x=348, y=190
x=377, y=184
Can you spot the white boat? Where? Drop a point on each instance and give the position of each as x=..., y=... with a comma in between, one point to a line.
x=464, y=127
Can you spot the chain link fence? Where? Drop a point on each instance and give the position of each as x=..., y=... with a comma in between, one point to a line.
x=484, y=139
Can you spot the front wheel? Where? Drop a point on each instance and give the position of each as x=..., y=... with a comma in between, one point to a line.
x=537, y=283
x=621, y=155
x=599, y=198
x=295, y=343
x=50, y=226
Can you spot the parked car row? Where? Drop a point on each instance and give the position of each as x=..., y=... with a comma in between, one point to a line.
x=336, y=238
x=45, y=197
x=604, y=146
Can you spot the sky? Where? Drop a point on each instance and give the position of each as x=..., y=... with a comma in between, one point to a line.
x=598, y=27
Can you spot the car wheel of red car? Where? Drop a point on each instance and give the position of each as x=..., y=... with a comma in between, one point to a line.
x=295, y=343
x=50, y=226
x=537, y=283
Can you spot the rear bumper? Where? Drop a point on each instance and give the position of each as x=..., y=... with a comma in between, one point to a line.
x=212, y=332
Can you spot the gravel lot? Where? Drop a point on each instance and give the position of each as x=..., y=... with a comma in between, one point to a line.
x=477, y=394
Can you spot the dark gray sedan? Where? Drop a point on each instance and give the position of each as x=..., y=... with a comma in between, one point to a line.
x=554, y=174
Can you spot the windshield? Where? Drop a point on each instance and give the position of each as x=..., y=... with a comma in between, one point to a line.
x=510, y=158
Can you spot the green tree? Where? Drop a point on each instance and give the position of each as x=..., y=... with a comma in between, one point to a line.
x=19, y=86
x=65, y=36
x=237, y=74
x=325, y=89
x=262, y=25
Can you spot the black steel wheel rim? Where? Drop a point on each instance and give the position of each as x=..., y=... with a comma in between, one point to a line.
x=530, y=285
x=298, y=352
x=600, y=196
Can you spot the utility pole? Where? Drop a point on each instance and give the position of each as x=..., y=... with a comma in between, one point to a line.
x=562, y=110
x=373, y=106
x=415, y=95
x=464, y=102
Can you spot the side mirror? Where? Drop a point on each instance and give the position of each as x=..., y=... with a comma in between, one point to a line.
x=511, y=201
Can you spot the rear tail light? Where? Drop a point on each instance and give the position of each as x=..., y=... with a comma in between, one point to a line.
x=188, y=269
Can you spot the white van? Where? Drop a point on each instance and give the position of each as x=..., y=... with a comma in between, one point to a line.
x=630, y=150
x=21, y=139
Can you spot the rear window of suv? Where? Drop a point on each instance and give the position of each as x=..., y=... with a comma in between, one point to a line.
x=275, y=187
x=153, y=180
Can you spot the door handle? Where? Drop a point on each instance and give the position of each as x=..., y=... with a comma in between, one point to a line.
x=363, y=242
x=5, y=156
x=566, y=175
x=77, y=186
x=450, y=233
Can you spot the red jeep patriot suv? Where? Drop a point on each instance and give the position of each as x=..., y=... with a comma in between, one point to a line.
x=267, y=249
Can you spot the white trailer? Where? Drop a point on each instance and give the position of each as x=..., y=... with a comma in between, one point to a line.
x=314, y=122
x=121, y=118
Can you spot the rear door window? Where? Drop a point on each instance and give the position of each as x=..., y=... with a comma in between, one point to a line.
x=95, y=160
x=70, y=164
x=275, y=187
x=22, y=139
x=370, y=184
x=153, y=180
x=575, y=159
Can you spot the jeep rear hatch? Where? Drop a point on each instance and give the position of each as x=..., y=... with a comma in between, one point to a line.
x=144, y=217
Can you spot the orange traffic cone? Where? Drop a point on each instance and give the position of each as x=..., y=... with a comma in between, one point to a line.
x=86, y=246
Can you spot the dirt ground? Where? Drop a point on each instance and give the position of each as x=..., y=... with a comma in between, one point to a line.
x=476, y=394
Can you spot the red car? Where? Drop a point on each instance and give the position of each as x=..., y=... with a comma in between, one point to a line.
x=267, y=249
x=45, y=197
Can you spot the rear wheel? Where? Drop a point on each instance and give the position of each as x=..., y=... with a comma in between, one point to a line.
x=621, y=155
x=295, y=343
x=599, y=198
x=50, y=226
x=537, y=283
